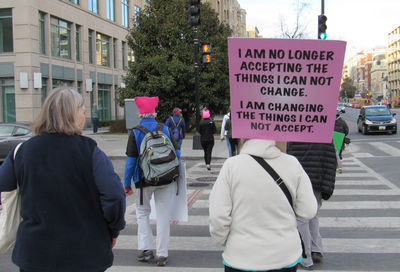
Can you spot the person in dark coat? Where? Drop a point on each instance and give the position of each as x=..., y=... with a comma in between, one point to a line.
x=207, y=130
x=319, y=162
x=72, y=201
x=341, y=126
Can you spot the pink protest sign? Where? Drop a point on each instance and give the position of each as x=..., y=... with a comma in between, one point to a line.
x=284, y=89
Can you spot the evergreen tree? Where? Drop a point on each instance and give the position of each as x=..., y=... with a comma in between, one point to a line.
x=162, y=43
x=347, y=89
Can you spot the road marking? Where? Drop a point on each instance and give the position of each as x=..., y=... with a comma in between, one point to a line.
x=391, y=150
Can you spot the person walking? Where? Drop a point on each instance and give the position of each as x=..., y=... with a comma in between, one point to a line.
x=342, y=127
x=176, y=124
x=224, y=133
x=95, y=118
x=252, y=217
x=72, y=201
x=233, y=142
x=163, y=195
x=319, y=162
x=207, y=130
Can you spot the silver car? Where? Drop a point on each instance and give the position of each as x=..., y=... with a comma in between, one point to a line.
x=12, y=134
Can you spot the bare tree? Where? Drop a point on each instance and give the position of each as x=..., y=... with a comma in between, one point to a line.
x=299, y=28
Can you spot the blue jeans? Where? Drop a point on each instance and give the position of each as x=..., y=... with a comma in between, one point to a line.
x=95, y=124
x=229, y=146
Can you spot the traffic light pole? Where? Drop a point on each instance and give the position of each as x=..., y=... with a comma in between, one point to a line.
x=196, y=75
x=322, y=7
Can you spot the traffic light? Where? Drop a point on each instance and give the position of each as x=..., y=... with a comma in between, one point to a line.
x=206, y=48
x=322, y=27
x=194, y=12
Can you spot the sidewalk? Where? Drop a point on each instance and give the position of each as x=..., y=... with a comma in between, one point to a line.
x=114, y=145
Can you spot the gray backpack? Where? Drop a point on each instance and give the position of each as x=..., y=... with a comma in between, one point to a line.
x=158, y=158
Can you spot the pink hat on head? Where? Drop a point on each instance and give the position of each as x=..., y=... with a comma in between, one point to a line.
x=178, y=111
x=206, y=114
x=146, y=104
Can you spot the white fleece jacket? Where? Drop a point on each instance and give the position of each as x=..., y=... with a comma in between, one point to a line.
x=250, y=214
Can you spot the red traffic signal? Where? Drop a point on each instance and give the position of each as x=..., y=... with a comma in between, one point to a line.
x=206, y=48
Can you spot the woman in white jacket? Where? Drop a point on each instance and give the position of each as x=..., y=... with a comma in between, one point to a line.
x=251, y=216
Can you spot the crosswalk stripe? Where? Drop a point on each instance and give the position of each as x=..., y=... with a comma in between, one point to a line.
x=152, y=268
x=390, y=150
x=358, y=205
x=331, y=245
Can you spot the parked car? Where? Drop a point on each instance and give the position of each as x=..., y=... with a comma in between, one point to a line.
x=341, y=107
x=377, y=118
x=12, y=134
x=356, y=105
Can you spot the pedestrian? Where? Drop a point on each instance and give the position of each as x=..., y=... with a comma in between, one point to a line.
x=72, y=201
x=251, y=216
x=341, y=126
x=95, y=118
x=224, y=132
x=207, y=130
x=233, y=142
x=163, y=195
x=176, y=124
x=319, y=162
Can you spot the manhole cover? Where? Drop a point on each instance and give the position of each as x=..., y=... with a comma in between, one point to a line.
x=206, y=179
x=198, y=184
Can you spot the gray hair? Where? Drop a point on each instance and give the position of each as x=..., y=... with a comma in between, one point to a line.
x=148, y=115
x=58, y=113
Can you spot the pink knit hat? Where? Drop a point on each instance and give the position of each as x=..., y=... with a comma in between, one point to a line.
x=206, y=114
x=178, y=111
x=146, y=104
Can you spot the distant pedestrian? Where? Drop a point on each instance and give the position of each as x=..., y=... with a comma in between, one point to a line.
x=95, y=118
x=207, y=130
x=224, y=133
x=319, y=162
x=176, y=124
x=72, y=201
x=250, y=214
x=233, y=142
x=163, y=194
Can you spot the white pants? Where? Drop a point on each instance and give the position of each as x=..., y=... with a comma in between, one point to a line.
x=162, y=198
x=309, y=231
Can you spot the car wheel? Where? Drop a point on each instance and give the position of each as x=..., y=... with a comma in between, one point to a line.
x=364, y=130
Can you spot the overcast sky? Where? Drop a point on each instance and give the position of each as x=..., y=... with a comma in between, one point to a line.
x=362, y=23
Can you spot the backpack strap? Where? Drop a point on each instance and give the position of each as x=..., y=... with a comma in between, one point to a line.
x=159, y=127
x=142, y=129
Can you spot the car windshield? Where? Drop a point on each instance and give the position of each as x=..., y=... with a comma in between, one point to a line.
x=340, y=105
x=377, y=111
x=6, y=131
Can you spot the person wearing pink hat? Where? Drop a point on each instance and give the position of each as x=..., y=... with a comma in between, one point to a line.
x=163, y=194
x=207, y=130
x=176, y=124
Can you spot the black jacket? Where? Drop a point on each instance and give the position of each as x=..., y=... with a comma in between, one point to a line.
x=341, y=126
x=319, y=162
x=207, y=130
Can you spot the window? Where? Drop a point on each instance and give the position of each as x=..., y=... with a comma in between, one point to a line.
x=7, y=93
x=6, y=33
x=131, y=56
x=110, y=10
x=123, y=55
x=60, y=38
x=115, y=52
x=137, y=11
x=74, y=1
x=102, y=50
x=78, y=42
x=43, y=91
x=125, y=13
x=104, y=101
x=90, y=44
x=42, y=39
x=79, y=87
x=94, y=6
x=62, y=83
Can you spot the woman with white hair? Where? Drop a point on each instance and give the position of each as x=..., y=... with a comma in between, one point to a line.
x=72, y=201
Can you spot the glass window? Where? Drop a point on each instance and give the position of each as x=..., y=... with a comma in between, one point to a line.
x=74, y=1
x=131, y=56
x=78, y=42
x=60, y=38
x=21, y=131
x=125, y=13
x=79, y=87
x=90, y=46
x=123, y=55
x=43, y=91
x=137, y=11
x=62, y=83
x=8, y=99
x=6, y=131
x=94, y=6
x=104, y=101
x=6, y=33
x=102, y=50
x=42, y=39
x=115, y=52
x=110, y=10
